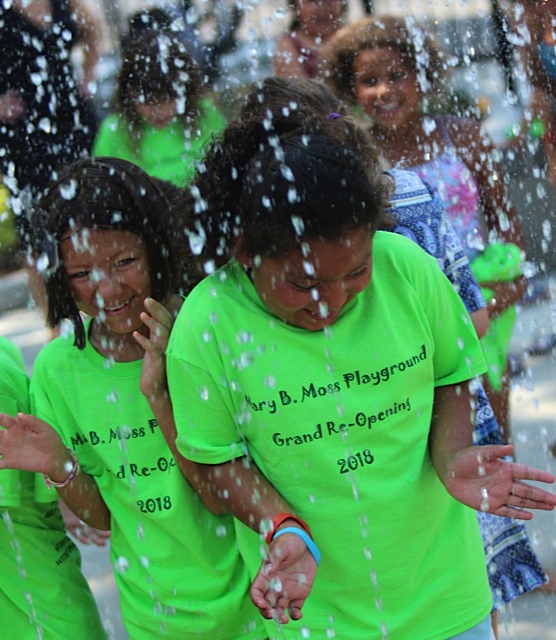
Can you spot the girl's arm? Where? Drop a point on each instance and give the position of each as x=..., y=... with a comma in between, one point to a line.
x=501, y=219
x=479, y=153
x=478, y=476
x=81, y=530
x=253, y=500
x=480, y=321
x=159, y=320
x=31, y=444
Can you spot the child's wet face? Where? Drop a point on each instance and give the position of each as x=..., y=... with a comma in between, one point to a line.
x=309, y=291
x=159, y=114
x=108, y=275
x=386, y=87
x=320, y=18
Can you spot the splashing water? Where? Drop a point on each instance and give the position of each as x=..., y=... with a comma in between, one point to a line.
x=298, y=225
x=485, y=504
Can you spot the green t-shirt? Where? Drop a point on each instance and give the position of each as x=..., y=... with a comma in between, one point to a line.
x=42, y=590
x=13, y=351
x=16, y=487
x=177, y=566
x=170, y=153
x=338, y=421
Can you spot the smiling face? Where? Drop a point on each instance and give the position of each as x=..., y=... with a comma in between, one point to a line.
x=310, y=292
x=108, y=275
x=386, y=87
x=320, y=18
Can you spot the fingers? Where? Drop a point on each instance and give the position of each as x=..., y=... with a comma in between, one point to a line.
x=272, y=601
x=523, y=472
x=159, y=312
x=88, y=535
x=7, y=421
x=524, y=495
x=159, y=316
x=510, y=512
x=490, y=452
x=98, y=537
x=294, y=609
x=159, y=322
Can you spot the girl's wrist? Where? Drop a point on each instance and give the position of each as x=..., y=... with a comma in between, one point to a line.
x=65, y=470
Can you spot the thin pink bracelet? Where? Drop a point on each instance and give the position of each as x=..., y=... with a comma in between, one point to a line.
x=73, y=472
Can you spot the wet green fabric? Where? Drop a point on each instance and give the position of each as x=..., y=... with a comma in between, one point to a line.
x=170, y=153
x=338, y=421
x=43, y=593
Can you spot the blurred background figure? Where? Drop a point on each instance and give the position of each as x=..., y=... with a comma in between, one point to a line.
x=534, y=25
x=299, y=51
x=391, y=68
x=186, y=22
x=46, y=115
x=162, y=115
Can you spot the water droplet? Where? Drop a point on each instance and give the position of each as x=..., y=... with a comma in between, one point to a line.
x=68, y=190
x=45, y=125
x=308, y=268
x=484, y=501
x=113, y=396
x=121, y=565
x=298, y=225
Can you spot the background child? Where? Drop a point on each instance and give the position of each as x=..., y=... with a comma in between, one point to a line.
x=299, y=50
x=162, y=117
x=101, y=389
x=348, y=392
x=377, y=64
x=43, y=593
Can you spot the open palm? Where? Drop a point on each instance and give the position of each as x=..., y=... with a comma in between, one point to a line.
x=480, y=478
x=29, y=444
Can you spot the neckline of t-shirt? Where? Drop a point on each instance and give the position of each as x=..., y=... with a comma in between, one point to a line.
x=108, y=365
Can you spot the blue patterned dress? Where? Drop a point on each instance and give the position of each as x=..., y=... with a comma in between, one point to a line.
x=512, y=565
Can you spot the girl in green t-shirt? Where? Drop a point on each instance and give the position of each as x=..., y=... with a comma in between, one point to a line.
x=102, y=430
x=43, y=593
x=162, y=116
x=321, y=379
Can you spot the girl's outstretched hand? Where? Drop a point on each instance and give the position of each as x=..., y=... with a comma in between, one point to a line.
x=30, y=444
x=284, y=580
x=480, y=478
x=158, y=319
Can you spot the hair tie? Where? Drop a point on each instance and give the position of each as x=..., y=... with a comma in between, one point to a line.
x=334, y=116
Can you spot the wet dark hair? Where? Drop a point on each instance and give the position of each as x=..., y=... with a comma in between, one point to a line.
x=417, y=48
x=283, y=96
x=110, y=194
x=290, y=94
x=149, y=18
x=156, y=67
x=271, y=183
